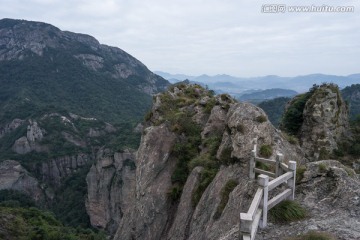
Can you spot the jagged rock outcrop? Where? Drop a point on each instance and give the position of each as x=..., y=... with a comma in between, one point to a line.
x=154, y=167
x=29, y=143
x=325, y=122
x=319, y=119
x=235, y=125
x=111, y=181
x=16, y=177
x=159, y=206
x=330, y=192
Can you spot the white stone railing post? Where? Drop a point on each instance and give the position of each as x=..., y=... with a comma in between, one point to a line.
x=263, y=181
x=252, y=165
x=252, y=160
x=291, y=181
x=245, y=225
x=279, y=160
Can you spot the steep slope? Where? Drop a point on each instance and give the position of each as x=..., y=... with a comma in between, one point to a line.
x=189, y=177
x=194, y=144
x=64, y=99
x=42, y=66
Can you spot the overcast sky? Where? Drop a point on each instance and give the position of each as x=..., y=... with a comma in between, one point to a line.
x=211, y=36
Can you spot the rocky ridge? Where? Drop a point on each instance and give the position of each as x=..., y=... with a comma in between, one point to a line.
x=165, y=207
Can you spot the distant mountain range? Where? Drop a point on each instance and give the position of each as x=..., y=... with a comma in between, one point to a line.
x=259, y=96
x=238, y=85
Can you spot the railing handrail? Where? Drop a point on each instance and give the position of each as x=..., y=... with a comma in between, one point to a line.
x=249, y=222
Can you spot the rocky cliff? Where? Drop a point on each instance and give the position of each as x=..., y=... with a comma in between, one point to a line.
x=13, y=176
x=191, y=172
x=194, y=146
x=319, y=118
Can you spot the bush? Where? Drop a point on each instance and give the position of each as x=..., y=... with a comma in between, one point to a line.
x=261, y=119
x=265, y=151
x=225, y=192
x=313, y=235
x=324, y=154
x=287, y=211
x=240, y=128
x=293, y=117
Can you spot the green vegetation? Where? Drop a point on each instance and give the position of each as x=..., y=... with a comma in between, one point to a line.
x=314, y=235
x=265, y=151
x=13, y=198
x=177, y=113
x=293, y=117
x=225, y=192
x=261, y=119
x=287, y=211
x=324, y=154
x=351, y=95
x=240, y=128
x=59, y=80
x=275, y=109
x=32, y=224
x=322, y=167
x=300, y=173
x=69, y=202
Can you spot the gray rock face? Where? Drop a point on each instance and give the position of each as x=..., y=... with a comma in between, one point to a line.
x=10, y=127
x=111, y=181
x=331, y=194
x=53, y=170
x=153, y=216
x=29, y=143
x=185, y=210
x=244, y=124
x=325, y=122
x=14, y=176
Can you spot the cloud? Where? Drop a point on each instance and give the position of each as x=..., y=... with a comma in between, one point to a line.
x=198, y=36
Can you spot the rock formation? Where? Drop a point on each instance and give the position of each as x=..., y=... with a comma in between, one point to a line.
x=331, y=194
x=15, y=177
x=153, y=215
x=111, y=181
x=325, y=122
x=319, y=118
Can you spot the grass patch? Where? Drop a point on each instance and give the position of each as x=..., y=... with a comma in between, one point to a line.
x=206, y=177
x=287, y=211
x=265, y=151
x=225, y=192
x=300, y=173
x=314, y=235
x=209, y=105
x=322, y=167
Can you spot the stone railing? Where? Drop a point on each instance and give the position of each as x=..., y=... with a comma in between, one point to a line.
x=257, y=214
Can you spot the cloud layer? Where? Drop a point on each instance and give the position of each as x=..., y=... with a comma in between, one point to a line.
x=212, y=36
